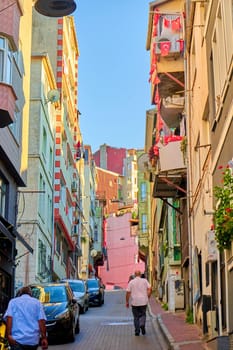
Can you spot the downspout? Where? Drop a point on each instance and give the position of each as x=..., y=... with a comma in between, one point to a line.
x=189, y=216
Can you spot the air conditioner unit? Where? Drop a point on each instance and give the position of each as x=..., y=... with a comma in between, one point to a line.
x=74, y=186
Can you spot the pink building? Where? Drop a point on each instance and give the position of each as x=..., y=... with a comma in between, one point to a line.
x=110, y=158
x=122, y=251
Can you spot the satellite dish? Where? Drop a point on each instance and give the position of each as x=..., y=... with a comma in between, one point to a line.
x=53, y=96
x=55, y=8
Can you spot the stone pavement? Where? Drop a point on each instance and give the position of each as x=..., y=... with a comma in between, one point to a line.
x=178, y=334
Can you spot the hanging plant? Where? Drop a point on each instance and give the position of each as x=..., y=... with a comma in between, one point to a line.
x=183, y=148
x=223, y=215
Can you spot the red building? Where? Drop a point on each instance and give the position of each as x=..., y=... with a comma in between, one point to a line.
x=122, y=257
x=107, y=187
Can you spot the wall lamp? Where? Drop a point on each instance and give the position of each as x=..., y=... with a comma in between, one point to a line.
x=55, y=8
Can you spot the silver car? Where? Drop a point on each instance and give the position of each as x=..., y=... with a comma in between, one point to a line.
x=79, y=289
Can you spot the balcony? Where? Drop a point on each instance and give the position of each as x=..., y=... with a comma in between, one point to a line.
x=10, y=13
x=171, y=157
x=170, y=179
x=7, y=104
x=171, y=110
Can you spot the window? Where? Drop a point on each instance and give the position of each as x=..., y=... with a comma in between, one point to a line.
x=44, y=143
x=144, y=223
x=3, y=188
x=64, y=252
x=143, y=191
x=15, y=127
x=58, y=240
x=41, y=258
x=41, y=198
x=51, y=161
x=63, y=193
x=5, y=61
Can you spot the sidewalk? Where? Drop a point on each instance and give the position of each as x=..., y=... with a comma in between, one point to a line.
x=178, y=334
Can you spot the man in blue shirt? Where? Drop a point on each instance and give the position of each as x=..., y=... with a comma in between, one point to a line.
x=25, y=322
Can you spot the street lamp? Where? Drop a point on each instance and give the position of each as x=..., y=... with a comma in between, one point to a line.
x=55, y=8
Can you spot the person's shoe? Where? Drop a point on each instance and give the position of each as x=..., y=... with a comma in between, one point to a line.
x=137, y=334
x=143, y=330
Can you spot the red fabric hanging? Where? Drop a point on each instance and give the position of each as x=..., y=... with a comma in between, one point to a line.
x=181, y=42
x=165, y=47
x=157, y=97
x=156, y=18
x=156, y=80
x=166, y=22
x=176, y=25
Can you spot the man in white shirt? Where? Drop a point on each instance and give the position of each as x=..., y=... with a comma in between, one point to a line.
x=138, y=290
x=25, y=322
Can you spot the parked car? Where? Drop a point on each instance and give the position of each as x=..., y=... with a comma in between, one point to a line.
x=95, y=291
x=79, y=288
x=61, y=309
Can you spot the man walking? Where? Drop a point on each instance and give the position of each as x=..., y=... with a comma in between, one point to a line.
x=138, y=290
x=25, y=322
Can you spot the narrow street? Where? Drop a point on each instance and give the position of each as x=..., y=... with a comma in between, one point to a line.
x=111, y=327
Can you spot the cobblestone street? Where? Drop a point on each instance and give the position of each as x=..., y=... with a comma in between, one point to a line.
x=111, y=327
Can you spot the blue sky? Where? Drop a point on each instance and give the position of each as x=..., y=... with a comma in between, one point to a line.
x=114, y=92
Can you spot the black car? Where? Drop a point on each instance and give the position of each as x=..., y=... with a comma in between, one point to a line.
x=95, y=291
x=79, y=289
x=61, y=309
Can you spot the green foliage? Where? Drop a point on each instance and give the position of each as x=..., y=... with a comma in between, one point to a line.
x=223, y=215
x=189, y=316
x=165, y=306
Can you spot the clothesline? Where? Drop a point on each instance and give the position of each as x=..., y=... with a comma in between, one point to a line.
x=166, y=13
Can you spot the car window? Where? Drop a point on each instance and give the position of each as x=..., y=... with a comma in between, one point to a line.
x=50, y=294
x=92, y=283
x=77, y=287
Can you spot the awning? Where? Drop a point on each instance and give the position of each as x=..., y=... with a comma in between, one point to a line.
x=4, y=230
x=12, y=234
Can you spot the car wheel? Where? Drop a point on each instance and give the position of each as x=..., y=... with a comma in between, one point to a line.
x=71, y=336
x=77, y=328
x=103, y=301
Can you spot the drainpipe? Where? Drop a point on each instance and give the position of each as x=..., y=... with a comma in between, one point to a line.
x=227, y=295
x=189, y=215
x=219, y=296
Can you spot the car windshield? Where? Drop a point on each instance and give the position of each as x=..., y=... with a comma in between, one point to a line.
x=77, y=286
x=92, y=284
x=50, y=294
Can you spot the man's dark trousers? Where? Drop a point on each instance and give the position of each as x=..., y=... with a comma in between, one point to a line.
x=139, y=314
x=23, y=347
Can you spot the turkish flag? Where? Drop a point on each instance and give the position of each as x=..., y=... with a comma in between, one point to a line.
x=165, y=47
x=176, y=25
